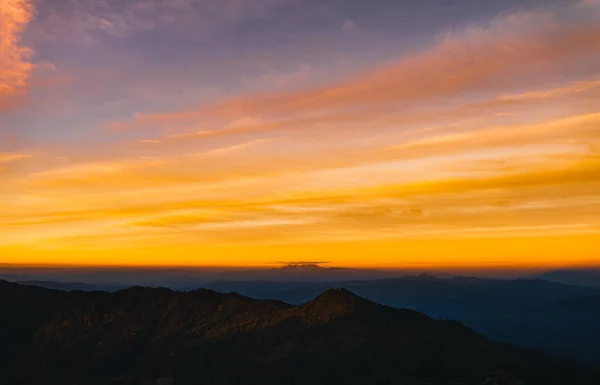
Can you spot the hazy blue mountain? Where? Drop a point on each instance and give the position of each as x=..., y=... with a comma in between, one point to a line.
x=584, y=277
x=65, y=286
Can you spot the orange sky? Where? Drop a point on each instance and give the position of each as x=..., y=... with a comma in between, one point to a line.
x=477, y=148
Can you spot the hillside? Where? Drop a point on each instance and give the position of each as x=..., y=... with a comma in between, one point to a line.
x=140, y=335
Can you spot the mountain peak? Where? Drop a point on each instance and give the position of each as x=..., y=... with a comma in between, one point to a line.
x=331, y=304
x=337, y=300
x=338, y=295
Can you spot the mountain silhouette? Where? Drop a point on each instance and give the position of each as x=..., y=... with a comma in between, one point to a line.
x=587, y=277
x=151, y=336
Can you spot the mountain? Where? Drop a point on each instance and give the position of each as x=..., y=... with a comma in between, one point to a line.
x=182, y=278
x=151, y=336
x=408, y=290
x=585, y=277
x=590, y=304
x=66, y=286
x=530, y=312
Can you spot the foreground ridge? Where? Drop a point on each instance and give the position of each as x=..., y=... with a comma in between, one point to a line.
x=140, y=335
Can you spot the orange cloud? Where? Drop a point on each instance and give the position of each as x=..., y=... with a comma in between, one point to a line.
x=6, y=157
x=10, y=157
x=575, y=129
x=536, y=203
x=15, y=67
x=386, y=116
x=574, y=88
x=589, y=3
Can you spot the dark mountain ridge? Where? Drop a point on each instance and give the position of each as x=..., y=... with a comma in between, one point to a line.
x=140, y=334
x=530, y=312
x=551, y=316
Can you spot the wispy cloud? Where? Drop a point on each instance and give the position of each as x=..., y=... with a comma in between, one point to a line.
x=11, y=157
x=84, y=21
x=476, y=59
x=6, y=157
x=349, y=26
x=523, y=49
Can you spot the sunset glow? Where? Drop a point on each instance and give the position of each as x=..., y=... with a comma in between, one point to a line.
x=243, y=133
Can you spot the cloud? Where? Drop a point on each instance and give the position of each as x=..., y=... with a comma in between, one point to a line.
x=574, y=88
x=230, y=150
x=476, y=59
x=10, y=157
x=6, y=157
x=349, y=26
x=372, y=138
x=261, y=162
x=578, y=129
x=407, y=209
x=523, y=49
x=209, y=168
x=300, y=75
x=88, y=21
x=15, y=65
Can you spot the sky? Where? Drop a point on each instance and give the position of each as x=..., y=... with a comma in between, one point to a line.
x=380, y=133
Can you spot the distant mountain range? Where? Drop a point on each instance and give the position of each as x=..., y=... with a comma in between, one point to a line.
x=159, y=336
x=182, y=278
x=583, y=277
x=64, y=286
x=177, y=278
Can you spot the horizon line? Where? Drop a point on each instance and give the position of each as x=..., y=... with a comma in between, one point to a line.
x=440, y=268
